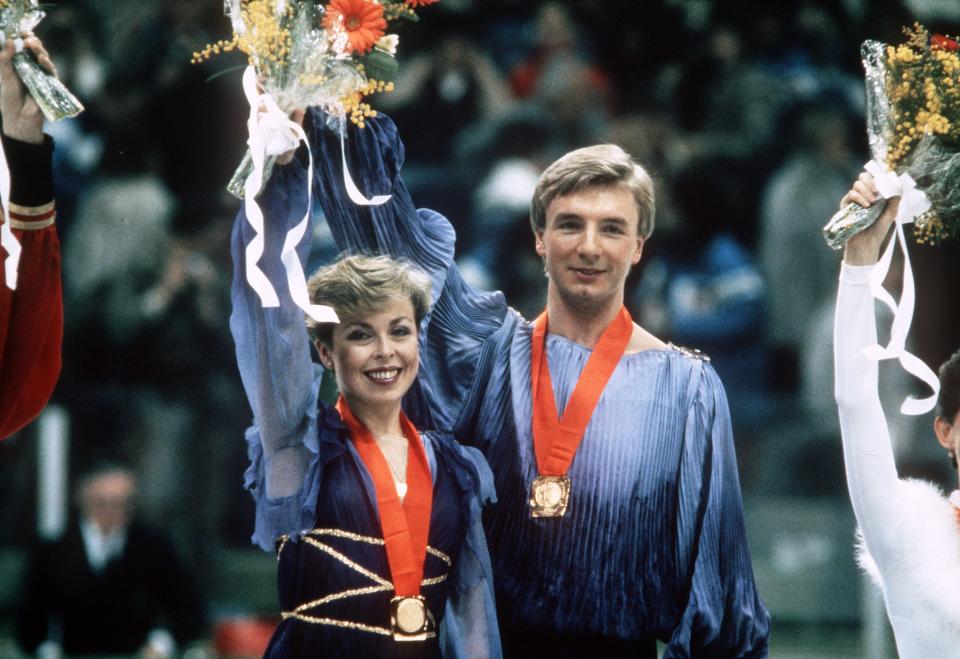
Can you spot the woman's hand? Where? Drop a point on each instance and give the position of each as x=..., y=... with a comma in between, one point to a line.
x=296, y=116
x=22, y=118
x=864, y=248
x=286, y=158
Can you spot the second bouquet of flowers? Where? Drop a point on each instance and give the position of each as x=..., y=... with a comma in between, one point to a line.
x=913, y=122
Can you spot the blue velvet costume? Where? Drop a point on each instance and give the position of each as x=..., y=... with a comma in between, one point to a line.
x=315, y=499
x=653, y=544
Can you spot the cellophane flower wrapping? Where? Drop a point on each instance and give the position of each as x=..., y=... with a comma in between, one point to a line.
x=913, y=125
x=303, y=58
x=52, y=96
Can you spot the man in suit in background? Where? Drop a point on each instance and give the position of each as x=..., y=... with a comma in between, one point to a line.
x=110, y=585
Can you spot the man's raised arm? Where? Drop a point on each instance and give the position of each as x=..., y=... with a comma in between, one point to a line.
x=463, y=319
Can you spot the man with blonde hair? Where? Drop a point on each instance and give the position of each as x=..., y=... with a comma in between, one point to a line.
x=619, y=520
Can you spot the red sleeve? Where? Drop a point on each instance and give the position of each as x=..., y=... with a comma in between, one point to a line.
x=31, y=317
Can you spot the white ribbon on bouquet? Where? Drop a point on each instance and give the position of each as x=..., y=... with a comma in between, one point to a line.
x=352, y=190
x=913, y=203
x=271, y=132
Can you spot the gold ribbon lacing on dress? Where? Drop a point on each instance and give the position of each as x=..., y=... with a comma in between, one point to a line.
x=306, y=612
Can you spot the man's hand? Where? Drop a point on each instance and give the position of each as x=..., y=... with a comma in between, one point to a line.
x=864, y=248
x=22, y=118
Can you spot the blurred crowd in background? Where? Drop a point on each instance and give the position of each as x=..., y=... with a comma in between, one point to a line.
x=748, y=115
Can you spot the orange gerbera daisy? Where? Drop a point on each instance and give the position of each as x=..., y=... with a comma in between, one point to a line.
x=362, y=20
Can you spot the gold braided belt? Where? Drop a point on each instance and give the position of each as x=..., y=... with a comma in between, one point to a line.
x=309, y=611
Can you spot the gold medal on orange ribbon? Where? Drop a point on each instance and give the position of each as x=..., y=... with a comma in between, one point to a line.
x=555, y=439
x=405, y=525
x=410, y=619
x=549, y=496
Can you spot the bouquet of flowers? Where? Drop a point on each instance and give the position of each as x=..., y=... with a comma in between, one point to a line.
x=309, y=53
x=913, y=122
x=304, y=53
x=55, y=100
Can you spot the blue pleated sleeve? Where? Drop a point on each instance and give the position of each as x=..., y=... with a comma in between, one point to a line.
x=723, y=615
x=280, y=380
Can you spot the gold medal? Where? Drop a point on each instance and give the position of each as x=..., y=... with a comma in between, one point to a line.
x=410, y=619
x=549, y=496
x=556, y=439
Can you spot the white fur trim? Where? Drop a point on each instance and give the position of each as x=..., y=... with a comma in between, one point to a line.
x=865, y=560
x=927, y=561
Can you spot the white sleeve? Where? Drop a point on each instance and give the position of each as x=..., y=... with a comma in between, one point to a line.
x=867, y=452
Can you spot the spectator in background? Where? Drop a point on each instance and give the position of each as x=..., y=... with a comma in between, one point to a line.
x=517, y=151
x=450, y=94
x=795, y=202
x=556, y=54
x=110, y=585
x=146, y=372
x=726, y=99
x=441, y=92
x=702, y=286
x=572, y=92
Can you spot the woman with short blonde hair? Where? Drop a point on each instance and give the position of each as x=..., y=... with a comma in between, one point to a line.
x=381, y=551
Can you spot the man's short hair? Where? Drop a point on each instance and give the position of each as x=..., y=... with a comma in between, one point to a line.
x=599, y=165
x=948, y=402
x=358, y=284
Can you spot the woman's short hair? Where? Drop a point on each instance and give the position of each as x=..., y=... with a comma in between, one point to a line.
x=355, y=285
x=948, y=402
x=599, y=165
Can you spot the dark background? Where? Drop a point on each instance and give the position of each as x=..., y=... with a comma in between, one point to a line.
x=750, y=118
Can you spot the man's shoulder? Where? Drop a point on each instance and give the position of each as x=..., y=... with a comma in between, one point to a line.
x=642, y=340
x=689, y=353
x=687, y=373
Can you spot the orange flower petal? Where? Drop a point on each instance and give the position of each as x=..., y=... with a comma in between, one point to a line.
x=361, y=19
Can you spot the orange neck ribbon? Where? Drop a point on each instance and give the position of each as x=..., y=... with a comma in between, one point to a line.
x=555, y=440
x=405, y=526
